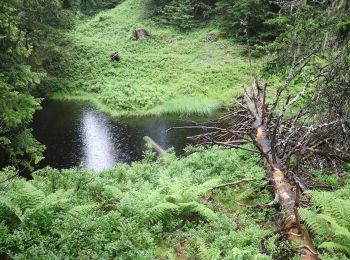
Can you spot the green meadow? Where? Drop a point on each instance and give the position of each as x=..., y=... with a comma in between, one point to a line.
x=168, y=72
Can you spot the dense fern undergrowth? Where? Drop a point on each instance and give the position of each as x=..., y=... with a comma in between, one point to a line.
x=168, y=72
x=161, y=209
x=155, y=209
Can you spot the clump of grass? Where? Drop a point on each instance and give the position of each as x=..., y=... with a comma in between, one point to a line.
x=188, y=106
x=155, y=73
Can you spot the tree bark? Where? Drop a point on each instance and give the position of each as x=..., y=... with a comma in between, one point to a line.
x=288, y=194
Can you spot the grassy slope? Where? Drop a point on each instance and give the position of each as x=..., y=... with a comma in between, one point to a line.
x=167, y=72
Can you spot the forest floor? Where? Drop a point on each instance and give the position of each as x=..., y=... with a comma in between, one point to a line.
x=163, y=209
x=168, y=72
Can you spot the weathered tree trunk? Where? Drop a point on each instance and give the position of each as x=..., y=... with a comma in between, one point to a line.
x=287, y=193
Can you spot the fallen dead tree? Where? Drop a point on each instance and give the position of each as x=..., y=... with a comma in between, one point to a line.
x=286, y=144
x=253, y=119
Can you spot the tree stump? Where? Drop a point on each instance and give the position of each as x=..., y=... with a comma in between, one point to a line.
x=212, y=37
x=140, y=33
x=115, y=56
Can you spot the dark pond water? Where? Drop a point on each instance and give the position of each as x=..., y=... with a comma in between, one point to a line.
x=77, y=134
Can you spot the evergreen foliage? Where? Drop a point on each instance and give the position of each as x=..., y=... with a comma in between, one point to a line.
x=183, y=14
x=89, y=6
x=248, y=21
x=17, y=81
x=316, y=38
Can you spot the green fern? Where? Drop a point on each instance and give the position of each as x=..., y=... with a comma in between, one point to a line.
x=9, y=211
x=206, y=252
x=27, y=195
x=3, y=237
x=239, y=254
x=81, y=210
x=161, y=211
x=332, y=223
x=190, y=208
x=179, y=196
x=333, y=246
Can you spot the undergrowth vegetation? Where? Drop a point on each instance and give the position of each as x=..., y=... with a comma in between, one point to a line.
x=152, y=209
x=329, y=219
x=154, y=74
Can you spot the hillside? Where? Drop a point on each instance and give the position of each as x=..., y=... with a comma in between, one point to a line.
x=170, y=71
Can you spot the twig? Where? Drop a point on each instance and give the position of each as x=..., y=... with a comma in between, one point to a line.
x=233, y=183
x=236, y=146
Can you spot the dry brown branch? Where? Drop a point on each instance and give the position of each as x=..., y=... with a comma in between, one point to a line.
x=232, y=183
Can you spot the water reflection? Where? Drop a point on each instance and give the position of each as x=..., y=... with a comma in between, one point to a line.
x=97, y=141
x=76, y=134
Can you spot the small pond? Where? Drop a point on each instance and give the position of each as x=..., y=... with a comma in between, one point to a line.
x=77, y=134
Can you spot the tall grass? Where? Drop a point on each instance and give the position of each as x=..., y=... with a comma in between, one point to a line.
x=187, y=106
x=153, y=74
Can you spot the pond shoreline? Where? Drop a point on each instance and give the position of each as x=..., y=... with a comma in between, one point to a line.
x=79, y=134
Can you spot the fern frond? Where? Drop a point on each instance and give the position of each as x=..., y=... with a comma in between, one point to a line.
x=173, y=198
x=315, y=223
x=60, y=197
x=161, y=211
x=3, y=236
x=332, y=224
x=205, y=252
x=333, y=246
x=205, y=212
x=206, y=186
x=9, y=210
x=27, y=195
x=113, y=192
x=330, y=204
x=82, y=210
x=338, y=231
x=190, y=208
x=340, y=209
x=239, y=254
